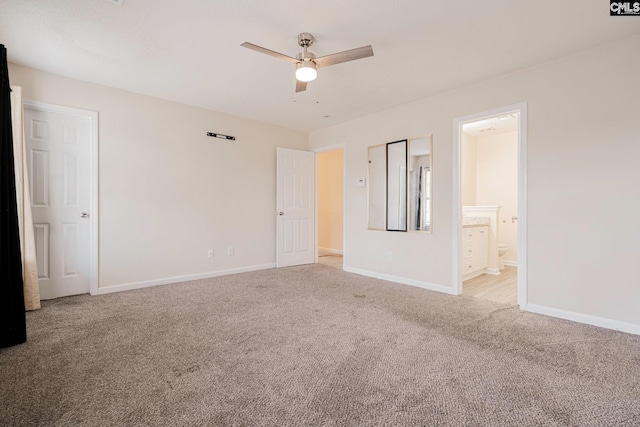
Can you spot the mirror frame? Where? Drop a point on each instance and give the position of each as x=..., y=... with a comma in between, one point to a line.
x=384, y=221
x=402, y=195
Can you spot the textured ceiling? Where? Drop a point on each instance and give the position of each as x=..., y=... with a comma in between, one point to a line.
x=189, y=50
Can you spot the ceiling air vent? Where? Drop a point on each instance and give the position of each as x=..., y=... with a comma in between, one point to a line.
x=489, y=129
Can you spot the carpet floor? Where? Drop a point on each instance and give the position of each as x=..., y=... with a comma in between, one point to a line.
x=312, y=345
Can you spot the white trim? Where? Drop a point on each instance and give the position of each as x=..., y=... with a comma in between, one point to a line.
x=342, y=147
x=329, y=148
x=330, y=251
x=456, y=177
x=510, y=263
x=402, y=280
x=470, y=276
x=489, y=271
x=521, y=110
x=601, y=322
x=344, y=203
x=93, y=176
x=522, y=205
x=179, y=279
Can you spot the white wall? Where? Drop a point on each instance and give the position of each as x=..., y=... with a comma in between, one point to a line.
x=468, y=169
x=167, y=191
x=330, y=199
x=497, y=184
x=583, y=133
x=376, y=191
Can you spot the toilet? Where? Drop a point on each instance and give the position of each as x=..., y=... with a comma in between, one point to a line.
x=503, y=248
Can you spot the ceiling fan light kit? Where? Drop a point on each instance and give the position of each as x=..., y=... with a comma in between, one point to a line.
x=306, y=62
x=306, y=71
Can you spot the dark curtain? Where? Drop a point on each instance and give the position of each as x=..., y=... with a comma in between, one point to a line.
x=13, y=326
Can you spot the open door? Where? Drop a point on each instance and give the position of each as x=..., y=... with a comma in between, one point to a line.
x=59, y=160
x=295, y=203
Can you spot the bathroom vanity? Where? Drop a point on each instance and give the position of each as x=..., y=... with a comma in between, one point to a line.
x=475, y=243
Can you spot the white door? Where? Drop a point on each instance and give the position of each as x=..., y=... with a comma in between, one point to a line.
x=58, y=160
x=295, y=201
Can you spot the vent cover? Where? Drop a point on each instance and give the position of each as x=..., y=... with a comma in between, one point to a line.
x=489, y=129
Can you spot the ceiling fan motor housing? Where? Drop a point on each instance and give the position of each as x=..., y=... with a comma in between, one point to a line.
x=305, y=39
x=305, y=56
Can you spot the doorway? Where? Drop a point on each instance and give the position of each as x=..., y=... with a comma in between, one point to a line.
x=330, y=197
x=490, y=205
x=62, y=162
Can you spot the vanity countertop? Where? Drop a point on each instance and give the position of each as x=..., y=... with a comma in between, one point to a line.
x=475, y=221
x=475, y=225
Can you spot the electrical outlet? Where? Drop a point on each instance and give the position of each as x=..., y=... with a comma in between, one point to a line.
x=210, y=253
x=390, y=256
x=230, y=251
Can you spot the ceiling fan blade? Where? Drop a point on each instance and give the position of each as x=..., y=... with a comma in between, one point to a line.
x=347, y=55
x=300, y=86
x=269, y=52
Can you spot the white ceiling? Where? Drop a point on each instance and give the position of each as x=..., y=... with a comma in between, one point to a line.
x=492, y=126
x=189, y=50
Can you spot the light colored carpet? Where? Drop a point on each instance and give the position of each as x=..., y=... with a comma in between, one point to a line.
x=312, y=345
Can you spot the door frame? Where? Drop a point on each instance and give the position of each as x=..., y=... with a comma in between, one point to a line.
x=93, y=177
x=343, y=147
x=521, y=110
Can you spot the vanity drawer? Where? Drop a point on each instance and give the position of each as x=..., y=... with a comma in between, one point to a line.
x=475, y=249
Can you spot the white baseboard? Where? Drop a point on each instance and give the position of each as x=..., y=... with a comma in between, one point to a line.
x=602, y=322
x=472, y=275
x=402, y=280
x=490, y=271
x=178, y=279
x=510, y=263
x=330, y=251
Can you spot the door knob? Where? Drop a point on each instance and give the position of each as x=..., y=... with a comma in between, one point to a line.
x=84, y=215
x=280, y=213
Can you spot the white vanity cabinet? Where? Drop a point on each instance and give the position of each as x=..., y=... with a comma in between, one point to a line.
x=476, y=250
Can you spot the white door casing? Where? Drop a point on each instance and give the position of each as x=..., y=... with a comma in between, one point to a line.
x=521, y=110
x=61, y=145
x=295, y=203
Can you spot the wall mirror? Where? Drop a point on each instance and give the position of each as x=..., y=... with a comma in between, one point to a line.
x=419, y=187
x=397, y=186
x=387, y=176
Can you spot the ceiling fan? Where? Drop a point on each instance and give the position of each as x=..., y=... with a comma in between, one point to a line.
x=306, y=62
